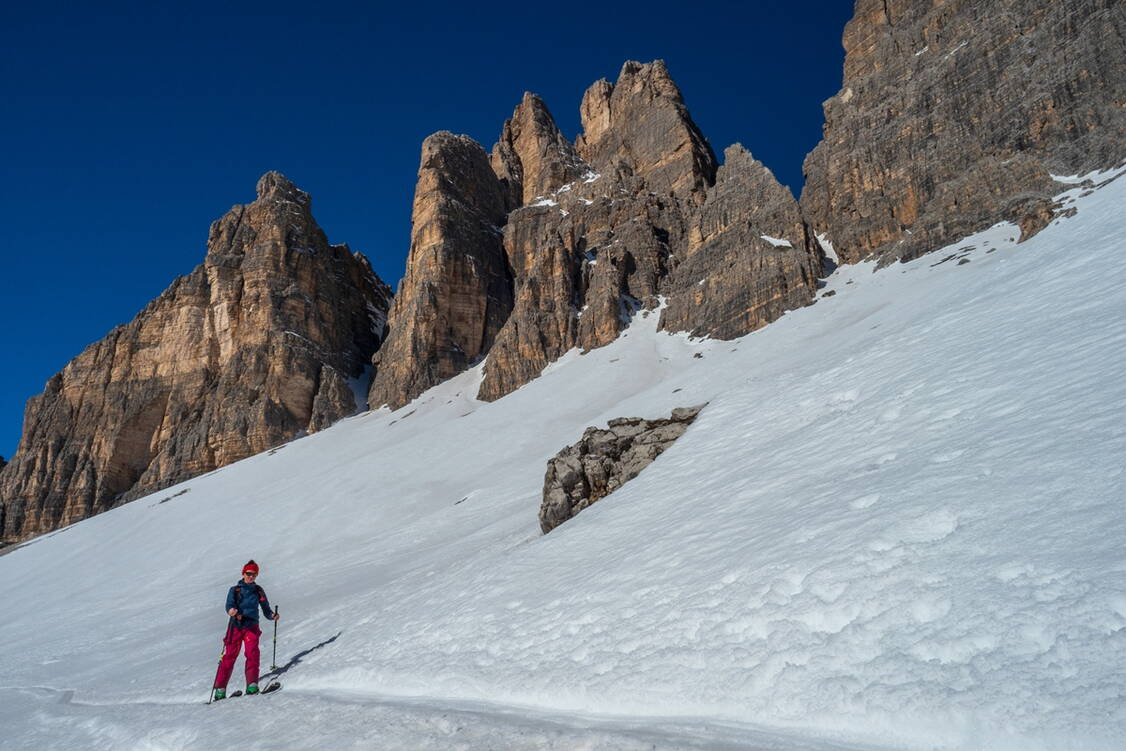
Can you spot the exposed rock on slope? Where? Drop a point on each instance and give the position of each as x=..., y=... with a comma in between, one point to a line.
x=604, y=460
x=953, y=114
x=457, y=290
x=255, y=345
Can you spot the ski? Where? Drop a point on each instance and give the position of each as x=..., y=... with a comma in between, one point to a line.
x=269, y=688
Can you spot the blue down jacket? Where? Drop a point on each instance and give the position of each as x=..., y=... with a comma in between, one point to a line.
x=247, y=598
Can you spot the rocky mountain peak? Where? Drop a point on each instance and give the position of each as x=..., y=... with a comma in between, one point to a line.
x=532, y=157
x=457, y=290
x=748, y=257
x=544, y=246
x=738, y=160
x=640, y=126
x=259, y=343
x=456, y=166
x=274, y=186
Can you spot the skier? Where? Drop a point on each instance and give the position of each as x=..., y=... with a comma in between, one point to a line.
x=243, y=601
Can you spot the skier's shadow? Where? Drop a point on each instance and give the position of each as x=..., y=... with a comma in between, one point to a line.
x=296, y=659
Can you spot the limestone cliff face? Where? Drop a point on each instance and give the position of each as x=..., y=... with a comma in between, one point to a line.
x=457, y=290
x=532, y=158
x=583, y=261
x=646, y=218
x=545, y=246
x=639, y=126
x=255, y=345
x=953, y=114
x=749, y=258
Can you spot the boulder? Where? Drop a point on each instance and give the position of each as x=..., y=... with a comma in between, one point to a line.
x=604, y=460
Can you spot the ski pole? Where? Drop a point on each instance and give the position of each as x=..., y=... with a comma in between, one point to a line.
x=274, y=661
x=226, y=637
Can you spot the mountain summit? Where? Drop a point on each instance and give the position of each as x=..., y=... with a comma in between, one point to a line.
x=259, y=343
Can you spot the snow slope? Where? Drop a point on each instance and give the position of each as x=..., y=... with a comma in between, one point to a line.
x=897, y=524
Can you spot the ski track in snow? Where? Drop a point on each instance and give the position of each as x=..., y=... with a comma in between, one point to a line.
x=897, y=524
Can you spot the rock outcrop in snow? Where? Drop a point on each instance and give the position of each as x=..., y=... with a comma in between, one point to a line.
x=255, y=345
x=952, y=116
x=604, y=460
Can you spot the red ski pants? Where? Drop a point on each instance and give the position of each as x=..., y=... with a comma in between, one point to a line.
x=231, y=646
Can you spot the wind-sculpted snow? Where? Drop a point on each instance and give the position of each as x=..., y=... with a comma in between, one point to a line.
x=897, y=524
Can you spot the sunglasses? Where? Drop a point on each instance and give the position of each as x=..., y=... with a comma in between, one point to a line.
x=248, y=573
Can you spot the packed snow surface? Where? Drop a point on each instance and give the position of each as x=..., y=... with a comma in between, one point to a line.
x=898, y=523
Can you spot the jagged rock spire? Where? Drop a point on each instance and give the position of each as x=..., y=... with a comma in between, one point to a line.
x=587, y=255
x=457, y=291
x=532, y=158
x=641, y=126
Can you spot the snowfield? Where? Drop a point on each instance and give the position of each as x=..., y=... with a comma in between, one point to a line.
x=898, y=523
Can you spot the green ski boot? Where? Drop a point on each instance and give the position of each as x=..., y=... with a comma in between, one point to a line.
x=252, y=688
x=220, y=693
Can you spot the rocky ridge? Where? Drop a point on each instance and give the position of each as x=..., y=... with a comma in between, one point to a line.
x=260, y=342
x=954, y=115
x=592, y=232
x=604, y=460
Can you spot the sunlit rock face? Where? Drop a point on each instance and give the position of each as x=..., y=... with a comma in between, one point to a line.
x=638, y=217
x=457, y=290
x=952, y=116
x=259, y=343
x=748, y=258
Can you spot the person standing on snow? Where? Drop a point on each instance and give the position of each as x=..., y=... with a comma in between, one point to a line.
x=243, y=601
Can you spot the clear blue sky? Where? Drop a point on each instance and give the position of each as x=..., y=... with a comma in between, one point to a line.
x=129, y=127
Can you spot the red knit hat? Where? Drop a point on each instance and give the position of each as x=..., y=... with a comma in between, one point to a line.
x=250, y=567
